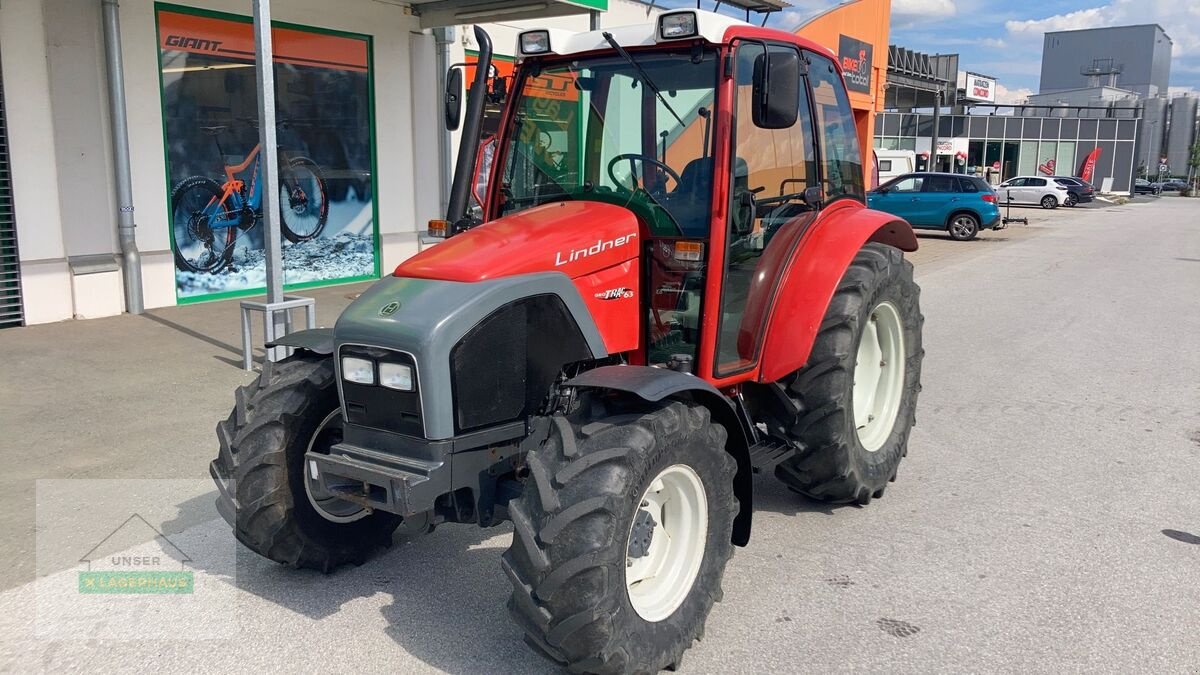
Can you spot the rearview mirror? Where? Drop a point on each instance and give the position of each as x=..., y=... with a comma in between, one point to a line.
x=453, y=99
x=776, y=89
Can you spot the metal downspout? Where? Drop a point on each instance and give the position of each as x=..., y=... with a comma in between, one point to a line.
x=131, y=260
x=443, y=36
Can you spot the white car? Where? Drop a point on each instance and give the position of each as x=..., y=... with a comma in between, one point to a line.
x=1032, y=190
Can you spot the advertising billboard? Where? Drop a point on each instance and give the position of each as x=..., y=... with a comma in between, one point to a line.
x=980, y=88
x=323, y=98
x=855, y=57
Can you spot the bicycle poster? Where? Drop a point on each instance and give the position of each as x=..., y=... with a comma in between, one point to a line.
x=325, y=144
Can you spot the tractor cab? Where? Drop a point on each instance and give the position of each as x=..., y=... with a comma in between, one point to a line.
x=700, y=126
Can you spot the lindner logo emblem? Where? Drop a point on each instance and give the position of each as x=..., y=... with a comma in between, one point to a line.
x=389, y=309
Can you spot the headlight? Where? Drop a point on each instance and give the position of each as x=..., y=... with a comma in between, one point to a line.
x=535, y=42
x=676, y=26
x=359, y=371
x=396, y=376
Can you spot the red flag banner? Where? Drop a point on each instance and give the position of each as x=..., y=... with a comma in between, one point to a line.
x=1089, y=165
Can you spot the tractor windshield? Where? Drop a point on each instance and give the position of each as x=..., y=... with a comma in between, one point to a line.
x=592, y=129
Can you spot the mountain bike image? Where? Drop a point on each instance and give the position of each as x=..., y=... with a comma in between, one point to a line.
x=207, y=217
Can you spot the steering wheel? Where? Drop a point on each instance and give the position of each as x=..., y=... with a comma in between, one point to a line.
x=633, y=158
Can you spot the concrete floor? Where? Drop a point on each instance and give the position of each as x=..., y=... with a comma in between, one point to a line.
x=1046, y=518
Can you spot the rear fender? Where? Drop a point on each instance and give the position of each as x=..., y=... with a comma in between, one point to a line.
x=656, y=384
x=812, y=276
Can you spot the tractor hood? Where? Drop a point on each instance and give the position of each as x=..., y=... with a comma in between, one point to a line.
x=575, y=238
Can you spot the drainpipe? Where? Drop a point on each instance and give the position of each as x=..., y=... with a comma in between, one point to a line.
x=442, y=37
x=132, y=267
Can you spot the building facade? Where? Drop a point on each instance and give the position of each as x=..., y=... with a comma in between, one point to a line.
x=358, y=103
x=1003, y=146
x=1137, y=58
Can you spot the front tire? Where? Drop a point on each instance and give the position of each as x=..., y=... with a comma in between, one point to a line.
x=1049, y=202
x=854, y=415
x=261, y=477
x=593, y=520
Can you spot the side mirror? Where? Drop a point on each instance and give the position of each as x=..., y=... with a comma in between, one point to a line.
x=743, y=221
x=776, y=89
x=814, y=195
x=453, y=99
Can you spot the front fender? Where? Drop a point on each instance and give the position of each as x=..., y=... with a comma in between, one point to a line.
x=319, y=341
x=812, y=276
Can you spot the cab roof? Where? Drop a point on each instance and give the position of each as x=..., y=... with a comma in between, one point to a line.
x=711, y=27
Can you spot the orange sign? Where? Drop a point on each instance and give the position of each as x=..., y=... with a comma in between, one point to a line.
x=235, y=40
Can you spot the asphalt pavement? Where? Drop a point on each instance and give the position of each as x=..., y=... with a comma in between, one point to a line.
x=1046, y=519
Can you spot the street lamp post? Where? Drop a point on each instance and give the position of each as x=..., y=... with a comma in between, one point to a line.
x=1149, y=145
x=937, y=116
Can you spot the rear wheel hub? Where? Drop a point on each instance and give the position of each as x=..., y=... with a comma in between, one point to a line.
x=879, y=376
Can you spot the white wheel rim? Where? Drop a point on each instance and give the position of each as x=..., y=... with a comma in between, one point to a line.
x=328, y=506
x=879, y=376
x=659, y=578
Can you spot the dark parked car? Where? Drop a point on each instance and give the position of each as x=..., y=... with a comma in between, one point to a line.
x=1172, y=185
x=961, y=205
x=1078, y=190
x=1142, y=186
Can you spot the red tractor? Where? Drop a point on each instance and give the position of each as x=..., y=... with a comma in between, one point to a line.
x=670, y=284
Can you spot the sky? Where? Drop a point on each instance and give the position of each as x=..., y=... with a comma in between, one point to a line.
x=1004, y=39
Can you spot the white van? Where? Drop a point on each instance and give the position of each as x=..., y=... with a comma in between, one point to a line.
x=890, y=164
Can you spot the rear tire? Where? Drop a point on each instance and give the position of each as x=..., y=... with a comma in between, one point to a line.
x=963, y=227
x=833, y=462
x=260, y=470
x=1049, y=202
x=1072, y=200
x=571, y=556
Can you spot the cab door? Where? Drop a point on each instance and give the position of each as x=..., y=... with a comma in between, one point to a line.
x=769, y=209
x=770, y=171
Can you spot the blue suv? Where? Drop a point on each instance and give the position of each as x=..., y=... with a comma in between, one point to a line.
x=961, y=205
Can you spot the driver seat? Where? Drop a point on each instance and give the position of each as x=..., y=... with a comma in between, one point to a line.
x=691, y=199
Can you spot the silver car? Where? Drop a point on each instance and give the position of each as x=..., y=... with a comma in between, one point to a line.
x=1033, y=190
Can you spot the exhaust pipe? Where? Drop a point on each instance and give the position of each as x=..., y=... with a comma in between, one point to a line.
x=468, y=145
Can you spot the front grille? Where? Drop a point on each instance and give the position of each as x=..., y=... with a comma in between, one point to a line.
x=379, y=407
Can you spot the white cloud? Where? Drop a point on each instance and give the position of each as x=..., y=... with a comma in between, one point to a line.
x=1012, y=96
x=1183, y=91
x=1084, y=18
x=923, y=8
x=1180, y=21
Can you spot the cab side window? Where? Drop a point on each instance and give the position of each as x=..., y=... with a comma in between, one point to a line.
x=838, y=134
